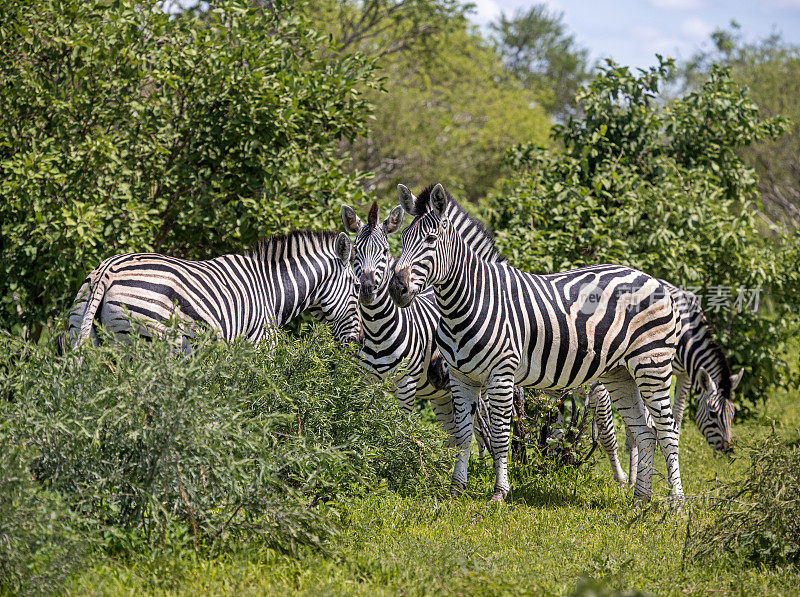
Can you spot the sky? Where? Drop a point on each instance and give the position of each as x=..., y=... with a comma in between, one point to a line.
x=633, y=31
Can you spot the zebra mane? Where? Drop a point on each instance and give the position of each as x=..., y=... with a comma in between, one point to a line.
x=372, y=218
x=297, y=242
x=724, y=382
x=471, y=230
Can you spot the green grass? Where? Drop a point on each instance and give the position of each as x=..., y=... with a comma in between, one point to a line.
x=562, y=533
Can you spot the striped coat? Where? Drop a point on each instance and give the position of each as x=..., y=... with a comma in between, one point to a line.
x=500, y=326
x=235, y=295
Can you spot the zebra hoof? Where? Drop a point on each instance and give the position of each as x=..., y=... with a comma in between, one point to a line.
x=456, y=490
x=676, y=502
x=499, y=496
x=640, y=501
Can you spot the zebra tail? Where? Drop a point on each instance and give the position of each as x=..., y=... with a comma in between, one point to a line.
x=96, y=296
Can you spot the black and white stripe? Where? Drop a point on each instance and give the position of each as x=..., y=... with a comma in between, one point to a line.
x=236, y=295
x=396, y=339
x=700, y=366
x=500, y=326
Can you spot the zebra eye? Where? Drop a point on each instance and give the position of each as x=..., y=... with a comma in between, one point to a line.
x=431, y=238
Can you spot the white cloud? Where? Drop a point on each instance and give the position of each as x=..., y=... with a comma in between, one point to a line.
x=779, y=4
x=486, y=11
x=696, y=28
x=653, y=41
x=677, y=4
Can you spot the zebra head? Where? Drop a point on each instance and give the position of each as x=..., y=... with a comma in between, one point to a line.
x=336, y=302
x=372, y=259
x=715, y=409
x=425, y=253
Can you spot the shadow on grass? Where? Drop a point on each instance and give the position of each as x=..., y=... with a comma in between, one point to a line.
x=583, y=487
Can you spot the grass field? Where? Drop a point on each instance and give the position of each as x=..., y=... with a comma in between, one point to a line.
x=561, y=533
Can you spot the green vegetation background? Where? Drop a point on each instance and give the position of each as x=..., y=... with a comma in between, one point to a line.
x=126, y=129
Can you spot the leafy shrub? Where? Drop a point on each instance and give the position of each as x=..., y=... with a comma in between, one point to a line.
x=152, y=445
x=39, y=542
x=129, y=129
x=758, y=519
x=659, y=186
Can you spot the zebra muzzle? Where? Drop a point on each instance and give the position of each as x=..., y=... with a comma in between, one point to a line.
x=400, y=287
x=368, y=286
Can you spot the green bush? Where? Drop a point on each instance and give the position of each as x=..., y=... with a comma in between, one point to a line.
x=123, y=128
x=659, y=186
x=153, y=446
x=758, y=519
x=39, y=542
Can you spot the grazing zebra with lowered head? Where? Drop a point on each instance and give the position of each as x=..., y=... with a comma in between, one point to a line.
x=700, y=365
x=500, y=326
x=236, y=295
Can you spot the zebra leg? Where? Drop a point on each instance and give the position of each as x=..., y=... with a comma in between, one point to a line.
x=625, y=397
x=653, y=380
x=633, y=451
x=599, y=401
x=682, y=386
x=465, y=398
x=406, y=392
x=442, y=405
x=500, y=395
x=477, y=428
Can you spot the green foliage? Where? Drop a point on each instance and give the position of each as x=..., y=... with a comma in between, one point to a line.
x=660, y=187
x=125, y=129
x=770, y=69
x=758, y=518
x=539, y=52
x=564, y=531
x=39, y=545
x=382, y=27
x=447, y=108
x=232, y=442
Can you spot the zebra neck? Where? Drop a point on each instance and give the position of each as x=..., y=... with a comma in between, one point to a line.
x=380, y=319
x=698, y=350
x=456, y=294
x=294, y=283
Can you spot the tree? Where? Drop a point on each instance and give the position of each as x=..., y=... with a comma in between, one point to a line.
x=382, y=27
x=125, y=129
x=539, y=52
x=770, y=69
x=446, y=116
x=660, y=187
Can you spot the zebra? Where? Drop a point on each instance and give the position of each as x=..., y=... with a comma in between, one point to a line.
x=393, y=338
x=236, y=295
x=700, y=365
x=500, y=326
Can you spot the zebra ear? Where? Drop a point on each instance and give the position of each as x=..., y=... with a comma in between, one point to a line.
x=352, y=223
x=736, y=378
x=439, y=200
x=343, y=247
x=407, y=199
x=707, y=384
x=392, y=223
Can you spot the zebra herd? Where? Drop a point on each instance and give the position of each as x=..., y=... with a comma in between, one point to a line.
x=451, y=318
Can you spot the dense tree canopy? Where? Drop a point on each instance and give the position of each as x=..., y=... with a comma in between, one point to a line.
x=447, y=107
x=123, y=129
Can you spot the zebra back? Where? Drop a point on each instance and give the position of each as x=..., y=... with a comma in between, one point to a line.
x=235, y=295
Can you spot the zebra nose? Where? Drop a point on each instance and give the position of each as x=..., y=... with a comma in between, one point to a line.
x=368, y=282
x=399, y=287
